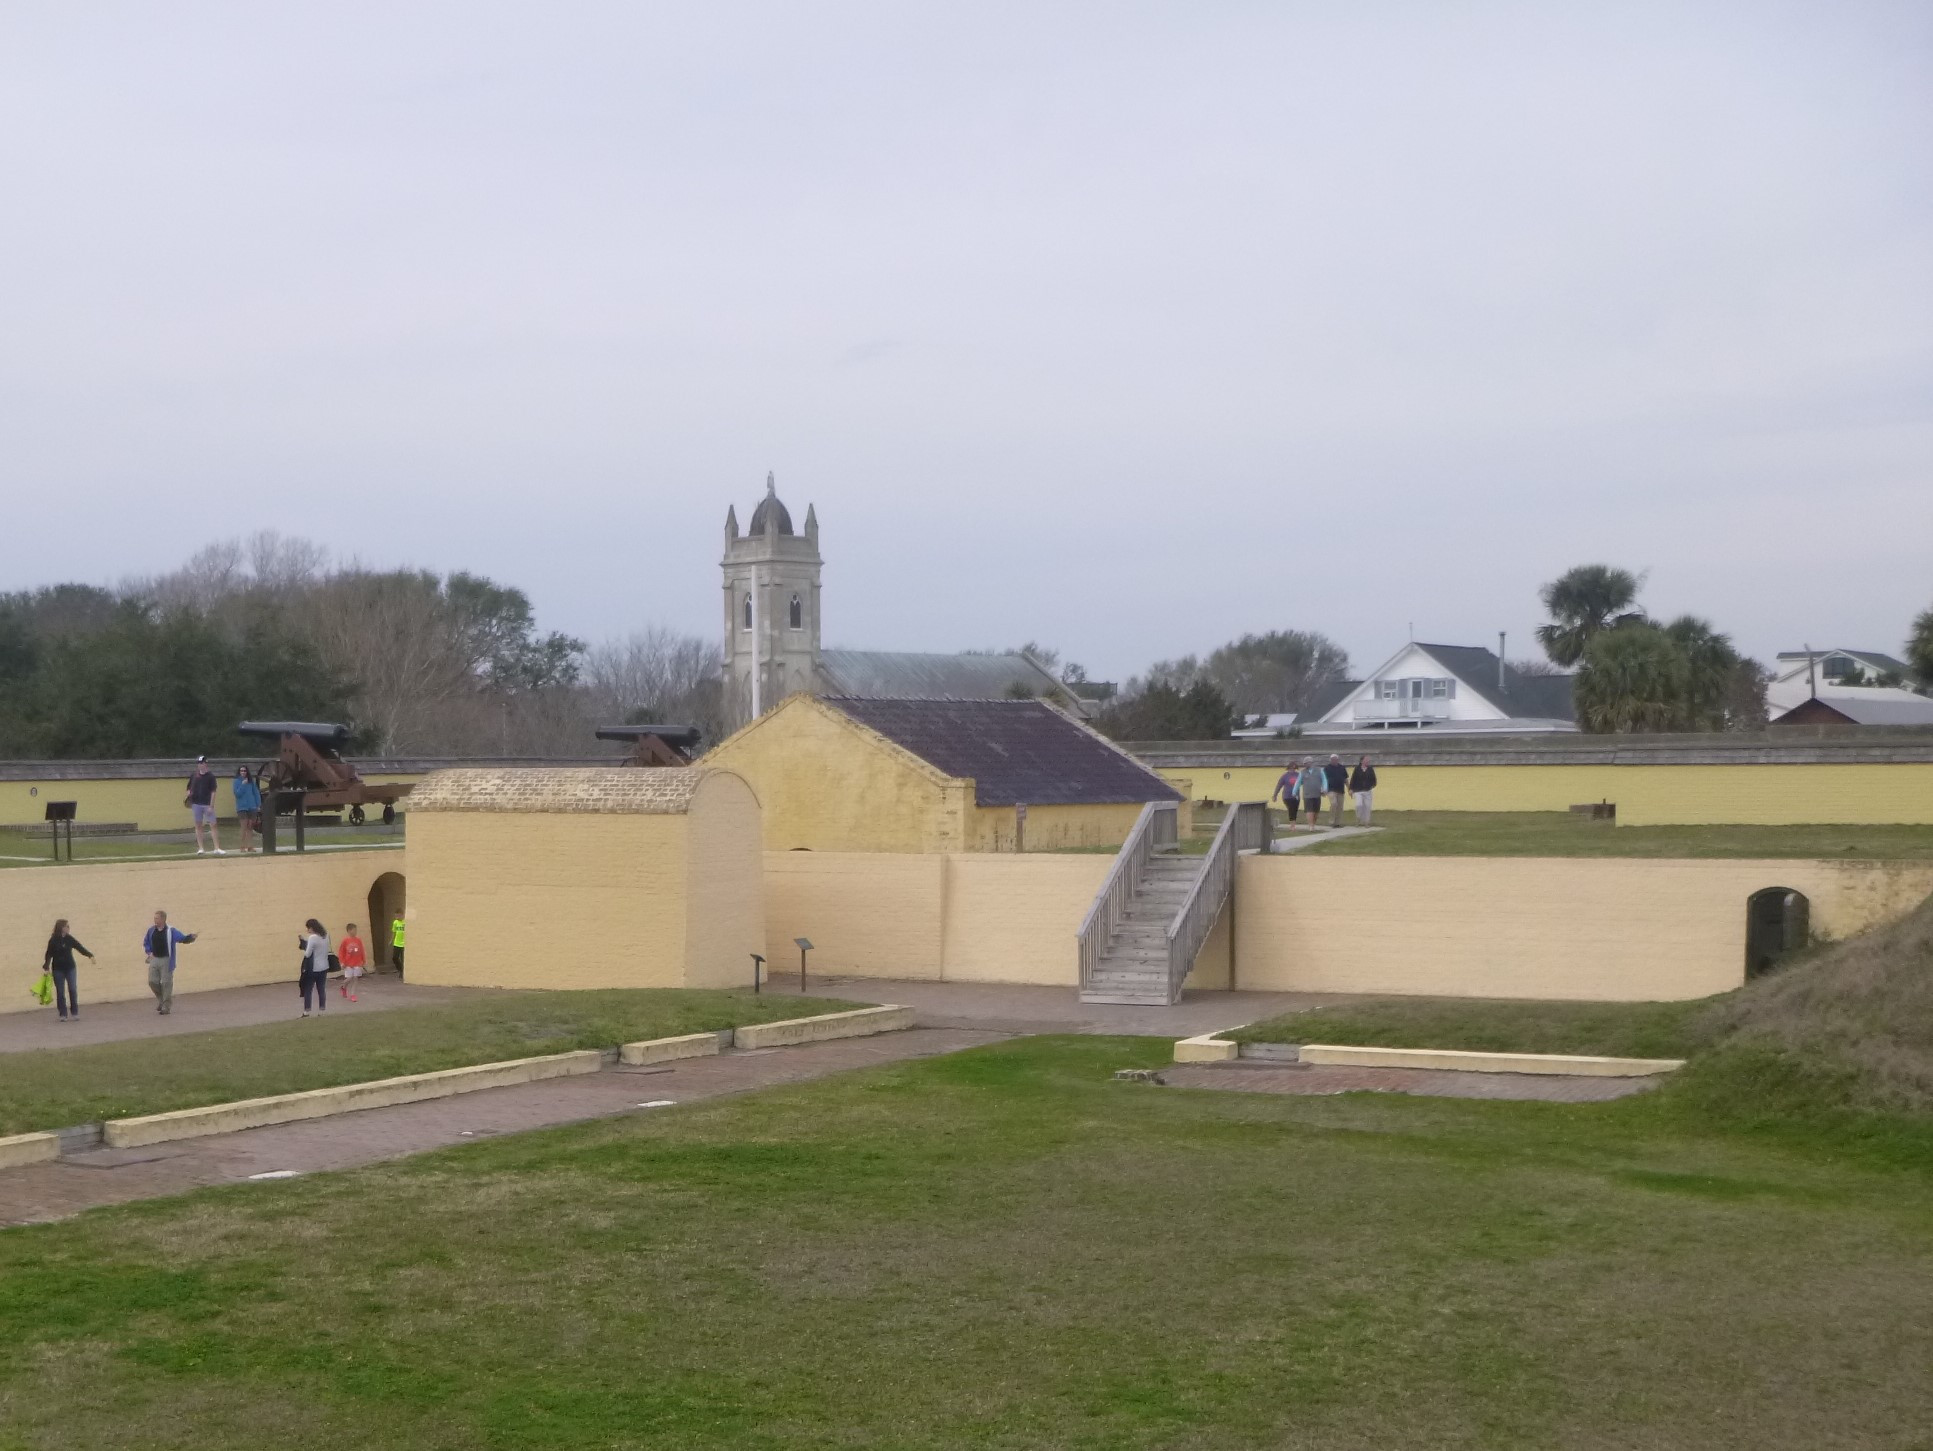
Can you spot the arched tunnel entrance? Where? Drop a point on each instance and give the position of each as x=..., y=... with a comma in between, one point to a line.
x=1778, y=920
x=387, y=896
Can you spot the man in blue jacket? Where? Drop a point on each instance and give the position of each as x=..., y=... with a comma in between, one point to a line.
x=158, y=945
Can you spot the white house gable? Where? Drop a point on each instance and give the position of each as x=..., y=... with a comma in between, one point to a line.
x=1413, y=686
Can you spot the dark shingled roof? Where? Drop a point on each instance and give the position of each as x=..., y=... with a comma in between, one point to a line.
x=1014, y=750
x=1526, y=697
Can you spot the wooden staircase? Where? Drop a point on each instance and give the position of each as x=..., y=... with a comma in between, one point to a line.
x=1150, y=918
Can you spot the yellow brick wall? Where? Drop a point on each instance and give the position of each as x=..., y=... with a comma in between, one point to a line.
x=1542, y=927
x=246, y=912
x=1597, y=928
x=1050, y=828
x=1645, y=795
x=1013, y=918
x=873, y=914
x=726, y=921
x=825, y=785
x=574, y=900
x=152, y=805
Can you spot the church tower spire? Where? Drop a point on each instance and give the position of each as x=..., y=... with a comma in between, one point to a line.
x=771, y=581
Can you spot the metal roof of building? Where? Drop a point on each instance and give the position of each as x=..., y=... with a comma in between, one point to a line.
x=908, y=675
x=1013, y=750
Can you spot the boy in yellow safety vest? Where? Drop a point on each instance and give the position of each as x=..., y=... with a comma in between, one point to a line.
x=396, y=946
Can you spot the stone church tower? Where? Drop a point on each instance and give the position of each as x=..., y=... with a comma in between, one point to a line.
x=771, y=606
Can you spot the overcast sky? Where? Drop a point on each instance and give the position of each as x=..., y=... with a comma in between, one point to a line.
x=1122, y=327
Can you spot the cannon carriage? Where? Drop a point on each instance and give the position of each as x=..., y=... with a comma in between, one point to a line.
x=308, y=774
x=655, y=745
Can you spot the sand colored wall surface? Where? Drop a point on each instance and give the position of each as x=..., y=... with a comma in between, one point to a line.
x=725, y=888
x=991, y=828
x=1534, y=927
x=152, y=804
x=1588, y=928
x=826, y=784
x=967, y=917
x=245, y=910
x=585, y=878
x=542, y=900
x=1646, y=795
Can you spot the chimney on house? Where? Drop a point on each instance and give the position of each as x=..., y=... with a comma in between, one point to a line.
x=1502, y=688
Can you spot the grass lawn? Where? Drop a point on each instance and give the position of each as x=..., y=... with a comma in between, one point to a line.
x=18, y=850
x=1559, y=833
x=54, y=1087
x=1618, y=1030
x=1005, y=1249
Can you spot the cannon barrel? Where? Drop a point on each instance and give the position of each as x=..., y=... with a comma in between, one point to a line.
x=684, y=737
x=321, y=734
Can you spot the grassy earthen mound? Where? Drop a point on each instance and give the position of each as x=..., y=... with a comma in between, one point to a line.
x=1860, y=1011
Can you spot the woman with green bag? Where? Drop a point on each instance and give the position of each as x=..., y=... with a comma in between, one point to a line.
x=58, y=963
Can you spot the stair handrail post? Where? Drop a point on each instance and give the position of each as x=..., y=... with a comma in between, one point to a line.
x=1244, y=828
x=1110, y=906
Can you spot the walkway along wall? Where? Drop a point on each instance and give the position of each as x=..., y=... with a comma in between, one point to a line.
x=1623, y=929
x=1776, y=778
x=245, y=912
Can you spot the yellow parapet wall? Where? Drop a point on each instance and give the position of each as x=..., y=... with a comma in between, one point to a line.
x=1605, y=928
x=1625, y=929
x=245, y=912
x=1646, y=795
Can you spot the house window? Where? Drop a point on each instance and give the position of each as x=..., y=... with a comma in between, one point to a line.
x=1442, y=689
x=748, y=612
x=795, y=617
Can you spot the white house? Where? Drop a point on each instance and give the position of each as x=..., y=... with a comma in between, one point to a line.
x=1446, y=689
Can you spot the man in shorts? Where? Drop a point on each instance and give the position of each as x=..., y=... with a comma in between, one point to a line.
x=201, y=803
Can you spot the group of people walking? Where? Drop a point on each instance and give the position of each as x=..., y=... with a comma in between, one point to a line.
x=1302, y=788
x=161, y=943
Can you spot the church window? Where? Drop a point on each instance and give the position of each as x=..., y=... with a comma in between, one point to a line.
x=748, y=612
x=796, y=618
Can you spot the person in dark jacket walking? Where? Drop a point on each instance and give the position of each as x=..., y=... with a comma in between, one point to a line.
x=59, y=961
x=1362, y=782
x=1285, y=788
x=1336, y=777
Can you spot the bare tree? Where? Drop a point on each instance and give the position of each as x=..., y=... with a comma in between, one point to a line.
x=657, y=675
x=392, y=634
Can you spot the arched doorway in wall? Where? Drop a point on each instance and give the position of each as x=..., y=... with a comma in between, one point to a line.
x=1778, y=920
x=387, y=896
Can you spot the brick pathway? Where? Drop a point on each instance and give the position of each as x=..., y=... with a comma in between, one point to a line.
x=194, y=1012
x=115, y=1176
x=1432, y=1082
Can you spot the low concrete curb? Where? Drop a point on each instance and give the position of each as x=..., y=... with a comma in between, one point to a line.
x=1207, y=1048
x=252, y=1113
x=1456, y=1060
x=859, y=1023
x=663, y=1050
x=18, y=1149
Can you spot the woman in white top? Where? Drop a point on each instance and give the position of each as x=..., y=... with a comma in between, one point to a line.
x=315, y=966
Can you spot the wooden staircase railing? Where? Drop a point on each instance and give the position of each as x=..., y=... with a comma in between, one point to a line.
x=1157, y=827
x=1244, y=828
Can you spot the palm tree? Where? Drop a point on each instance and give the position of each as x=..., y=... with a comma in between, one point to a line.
x=1919, y=649
x=1631, y=679
x=1583, y=602
x=1709, y=663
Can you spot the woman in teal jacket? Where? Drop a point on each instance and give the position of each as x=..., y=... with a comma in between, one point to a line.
x=248, y=805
